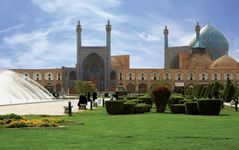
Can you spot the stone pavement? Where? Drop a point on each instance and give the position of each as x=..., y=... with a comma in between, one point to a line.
x=47, y=108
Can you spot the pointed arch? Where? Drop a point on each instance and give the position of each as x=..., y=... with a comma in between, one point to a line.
x=93, y=70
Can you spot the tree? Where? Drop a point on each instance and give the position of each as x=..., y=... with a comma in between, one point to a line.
x=226, y=88
x=161, y=96
x=85, y=87
x=215, y=90
x=230, y=93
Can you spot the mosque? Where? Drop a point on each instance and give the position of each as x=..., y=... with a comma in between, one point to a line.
x=204, y=61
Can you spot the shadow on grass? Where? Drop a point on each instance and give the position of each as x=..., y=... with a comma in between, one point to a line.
x=201, y=137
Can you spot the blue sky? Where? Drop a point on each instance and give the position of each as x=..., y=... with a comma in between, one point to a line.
x=41, y=33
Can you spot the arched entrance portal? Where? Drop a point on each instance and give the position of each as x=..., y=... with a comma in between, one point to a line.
x=93, y=70
x=130, y=88
x=143, y=88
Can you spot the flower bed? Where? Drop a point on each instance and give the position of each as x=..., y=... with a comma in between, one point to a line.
x=16, y=121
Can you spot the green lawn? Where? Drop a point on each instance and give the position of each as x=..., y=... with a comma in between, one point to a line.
x=96, y=130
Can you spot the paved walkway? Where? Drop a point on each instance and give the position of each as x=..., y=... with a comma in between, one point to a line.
x=48, y=108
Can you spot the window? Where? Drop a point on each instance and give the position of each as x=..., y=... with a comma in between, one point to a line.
x=58, y=76
x=37, y=76
x=228, y=76
x=155, y=76
x=215, y=76
x=178, y=77
x=203, y=76
x=167, y=76
x=191, y=76
x=49, y=76
x=26, y=76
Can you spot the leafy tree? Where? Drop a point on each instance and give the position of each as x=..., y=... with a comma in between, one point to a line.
x=209, y=89
x=226, y=88
x=161, y=96
x=230, y=93
x=85, y=86
x=215, y=90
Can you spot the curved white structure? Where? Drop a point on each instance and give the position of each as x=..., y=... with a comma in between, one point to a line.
x=15, y=89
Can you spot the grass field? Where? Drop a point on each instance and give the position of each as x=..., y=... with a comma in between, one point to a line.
x=96, y=130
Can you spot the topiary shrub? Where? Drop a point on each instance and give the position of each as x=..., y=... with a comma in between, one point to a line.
x=129, y=107
x=189, y=96
x=209, y=107
x=115, y=107
x=161, y=96
x=147, y=100
x=148, y=107
x=140, y=108
x=175, y=99
x=178, y=108
x=184, y=101
x=191, y=108
x=137, y=101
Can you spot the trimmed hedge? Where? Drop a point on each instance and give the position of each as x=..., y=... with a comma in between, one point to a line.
x=131, y=98
x=115, y=107
x=136, y=101
x=174, y=100
x=209, y=107
x=126, y=107
x=191, y=108
x=178, y=108
x=146, y=100
x=129, y=107
x=148, y=107
x=140, y=108
x=184, y=101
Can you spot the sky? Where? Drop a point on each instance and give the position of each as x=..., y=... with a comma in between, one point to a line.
x=41, y=33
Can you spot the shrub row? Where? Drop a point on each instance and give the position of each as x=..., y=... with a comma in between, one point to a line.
x=191, y=108
x=209, y=107
x=175, y=100
x=115, y=107
x=202, y=107
x=178, y=108
x=147, y=100
x=126, y=107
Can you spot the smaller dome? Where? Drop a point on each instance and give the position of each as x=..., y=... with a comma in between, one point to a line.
x=200, y=61
x=224, y=62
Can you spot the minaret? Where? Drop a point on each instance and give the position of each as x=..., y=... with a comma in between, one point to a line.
x=78, y=51
x=165, y=32
x=108, y=55
x=197, y=29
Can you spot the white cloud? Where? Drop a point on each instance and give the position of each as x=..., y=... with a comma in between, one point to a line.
x=24, y=38
x=148, y=37
x=90, y=8
x=12, y=28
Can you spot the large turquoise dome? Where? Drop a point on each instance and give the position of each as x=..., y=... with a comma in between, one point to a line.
x=213, y=40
